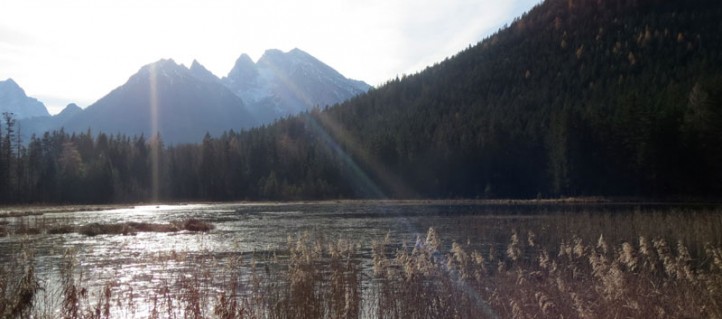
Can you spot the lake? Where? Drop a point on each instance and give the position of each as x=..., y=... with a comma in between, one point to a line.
x=260, y=235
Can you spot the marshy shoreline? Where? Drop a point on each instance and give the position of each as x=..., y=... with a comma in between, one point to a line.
x=593, y=263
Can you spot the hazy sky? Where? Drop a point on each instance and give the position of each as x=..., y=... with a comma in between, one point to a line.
x=79, y=50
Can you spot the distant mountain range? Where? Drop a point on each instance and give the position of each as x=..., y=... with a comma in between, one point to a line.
x=182, y=104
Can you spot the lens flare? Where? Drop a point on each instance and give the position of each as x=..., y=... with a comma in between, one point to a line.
x=154, y=142
x=379, y=170
x=360, y=178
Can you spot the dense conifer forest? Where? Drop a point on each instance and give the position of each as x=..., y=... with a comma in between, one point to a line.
x=575, y=98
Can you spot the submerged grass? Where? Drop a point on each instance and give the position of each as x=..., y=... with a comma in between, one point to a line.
x=131, y=228
x=40, y=226
x=613, y=267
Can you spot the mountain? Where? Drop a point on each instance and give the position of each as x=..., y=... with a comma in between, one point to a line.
x=168, y=98
x=281, y=84
x=13, y=100
x=574, y=98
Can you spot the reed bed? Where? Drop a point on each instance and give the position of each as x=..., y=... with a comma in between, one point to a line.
x=629, y=266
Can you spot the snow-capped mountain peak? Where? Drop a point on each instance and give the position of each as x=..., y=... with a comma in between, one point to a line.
x=289, y=82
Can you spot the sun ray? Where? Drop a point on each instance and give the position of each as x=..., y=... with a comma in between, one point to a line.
x=154, y=133
x=387, y=177
x=360, y=178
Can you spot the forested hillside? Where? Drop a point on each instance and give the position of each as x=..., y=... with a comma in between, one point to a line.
x=611, y=98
